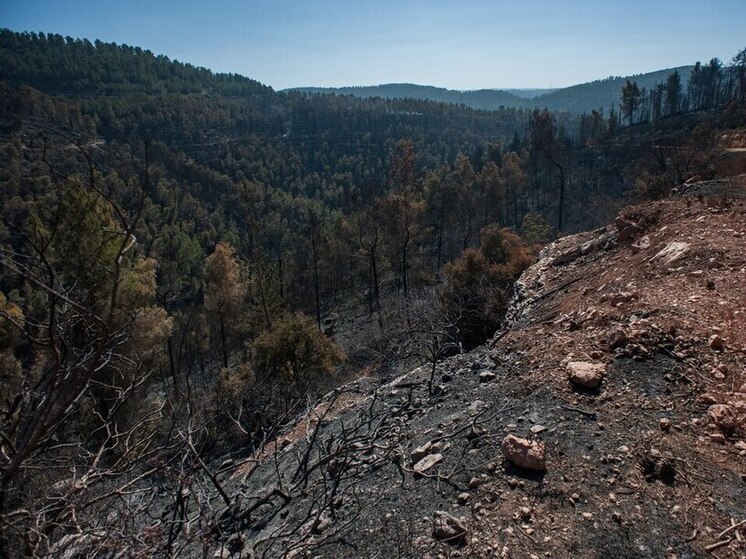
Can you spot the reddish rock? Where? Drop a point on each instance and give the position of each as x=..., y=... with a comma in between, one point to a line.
x=524, y=453
x=628, y=229
x=708, y=398
x=587, y=375
x=723, y=416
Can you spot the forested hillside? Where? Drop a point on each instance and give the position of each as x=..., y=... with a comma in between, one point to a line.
x=189, y=259
x=484, y=99
x=596, y=95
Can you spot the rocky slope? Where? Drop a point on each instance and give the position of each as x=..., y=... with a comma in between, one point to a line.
x=622, y=368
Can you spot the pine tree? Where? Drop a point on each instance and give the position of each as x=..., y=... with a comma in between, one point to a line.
x=673, y=93
x=631, y=97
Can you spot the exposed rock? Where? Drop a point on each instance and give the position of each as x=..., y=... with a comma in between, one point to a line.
x=463, y=498
x=739, y=405
x=641, y=244
x=447, y=528
x=475, y=432
x=427, y=462
x=628, y=229
x=723, y=416
x=524, y=453
x=487, y=376
x=524, y=513
x=672, y=253
x=476, y=406
x=536, y=429
x=657, y=466
x=665, y=424
x=708, y=398
x=587, y=375
x=235, y=543
x=716, y=343
x=602, y=240
x=568, y=256
x=321, y=524
x=623, y=298
x=421, y=451
x=617, y=337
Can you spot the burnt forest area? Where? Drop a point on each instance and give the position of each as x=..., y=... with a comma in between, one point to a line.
x=394, y=321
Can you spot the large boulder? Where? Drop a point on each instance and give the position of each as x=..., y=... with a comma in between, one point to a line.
x=586, y=375
x=524, y=453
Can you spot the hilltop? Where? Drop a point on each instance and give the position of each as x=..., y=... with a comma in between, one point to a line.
x=577, y=99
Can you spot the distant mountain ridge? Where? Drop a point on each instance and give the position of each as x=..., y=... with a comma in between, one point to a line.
x=575, y=99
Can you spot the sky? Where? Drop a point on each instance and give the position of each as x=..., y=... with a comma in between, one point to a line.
x=466, y=44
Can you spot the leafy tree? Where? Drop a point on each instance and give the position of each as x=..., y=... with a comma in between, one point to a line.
x=535, y=230
x=295, y=352
x=479, y=283
x=93, y=334
x=224, y=292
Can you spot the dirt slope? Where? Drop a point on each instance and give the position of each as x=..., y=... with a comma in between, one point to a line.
x=652, y=463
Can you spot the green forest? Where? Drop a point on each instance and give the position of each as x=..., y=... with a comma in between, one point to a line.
x=189, y=259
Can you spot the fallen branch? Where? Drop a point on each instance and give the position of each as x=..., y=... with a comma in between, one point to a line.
x=732, y=527
x=718, y=545
x=589, y=414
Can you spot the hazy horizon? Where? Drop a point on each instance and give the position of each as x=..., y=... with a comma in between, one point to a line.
x=482, y=45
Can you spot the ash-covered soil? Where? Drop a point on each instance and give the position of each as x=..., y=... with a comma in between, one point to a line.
x=650, y=463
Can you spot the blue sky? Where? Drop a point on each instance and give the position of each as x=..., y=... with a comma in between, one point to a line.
x=457, y=44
